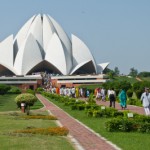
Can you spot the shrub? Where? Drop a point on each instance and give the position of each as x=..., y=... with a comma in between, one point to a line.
x=121, y=124
x=129, y=93
x=145, y=127
x=4, y=89
x=27, y=98
x=39, y=90
x=14, y=90
x=138, y=93
x=30, y=91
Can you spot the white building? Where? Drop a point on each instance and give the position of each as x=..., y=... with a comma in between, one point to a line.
x=42, y=45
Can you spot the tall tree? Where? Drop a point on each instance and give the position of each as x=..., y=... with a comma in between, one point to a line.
x=133, y=72
x=116, y=71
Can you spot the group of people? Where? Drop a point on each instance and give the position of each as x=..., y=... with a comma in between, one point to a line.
x=100, y=93
x=69, y=91
x=145, y=99
x=122, y=98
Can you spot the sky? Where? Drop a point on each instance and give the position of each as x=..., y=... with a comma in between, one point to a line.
x=115, y=31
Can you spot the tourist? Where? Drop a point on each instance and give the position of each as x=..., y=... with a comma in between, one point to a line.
x=103, y=94
x=112, y=97
x=98, y=94
x=123, y=99
x=145, y=98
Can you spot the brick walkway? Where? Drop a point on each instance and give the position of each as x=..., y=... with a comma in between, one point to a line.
x=87, y=139
x=131, y=108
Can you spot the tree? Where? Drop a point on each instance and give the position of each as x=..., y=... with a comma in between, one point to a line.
x=26, y=98
x=144, y=74
x=116, y=71
x=111, y=74
x=133, y=72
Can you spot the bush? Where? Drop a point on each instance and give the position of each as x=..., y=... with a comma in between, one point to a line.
x=144, y=128
x=27, y=98
x=121, y=124
x=138, y=93
x=14, y=90
x=129, y=93
x=30, y=91
x=39, y=90
x=4, y=89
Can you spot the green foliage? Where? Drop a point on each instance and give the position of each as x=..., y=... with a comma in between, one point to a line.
x=14, y=90
x=116, y=71
x=39, y=90
x=139, y=123
x=141, y=85
x=133, y=72
x=139, y=93
x=91, y=99
x=129, y=93
x=120, y=124
x=144, y=74
x=27, y=98
x=4, y=89
x=117, y=85
x=30, y=91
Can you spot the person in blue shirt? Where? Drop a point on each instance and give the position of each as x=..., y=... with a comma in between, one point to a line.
x=123, y=99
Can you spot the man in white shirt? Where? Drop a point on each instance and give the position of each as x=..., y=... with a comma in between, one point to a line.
x=145, y=98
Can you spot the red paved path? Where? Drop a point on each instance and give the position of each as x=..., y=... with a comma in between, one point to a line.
x=87, y=139
x=131, y=108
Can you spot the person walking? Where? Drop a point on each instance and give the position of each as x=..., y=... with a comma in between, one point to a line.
x=103, y=94
x=145, y=98
x=123, y=99
x=112, y=97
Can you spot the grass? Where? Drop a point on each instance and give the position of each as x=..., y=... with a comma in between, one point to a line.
x=7, y=103
x=126, y=141
x=146, y=78
x=10, y=123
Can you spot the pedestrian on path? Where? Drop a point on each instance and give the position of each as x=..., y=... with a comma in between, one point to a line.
x=123, y=99
x=112, y=97
x=145, y=98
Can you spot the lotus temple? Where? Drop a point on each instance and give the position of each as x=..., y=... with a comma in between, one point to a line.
x=42, y=45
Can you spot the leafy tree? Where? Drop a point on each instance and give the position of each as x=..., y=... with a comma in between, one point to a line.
x=26, y=98
x=111, y=74
x=133, y=72
x=144, y=74
x=116, y=71
x=107, y=70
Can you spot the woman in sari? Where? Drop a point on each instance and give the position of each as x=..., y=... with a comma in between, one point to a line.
x=123, y=99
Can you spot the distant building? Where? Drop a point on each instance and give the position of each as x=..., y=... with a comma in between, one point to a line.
x=23, y=82
x=70, y=81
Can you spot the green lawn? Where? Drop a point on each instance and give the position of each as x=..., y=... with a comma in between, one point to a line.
x=126, y=141
x=10, y=123
x=7, y=103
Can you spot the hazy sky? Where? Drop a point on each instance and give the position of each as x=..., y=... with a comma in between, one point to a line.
x=116, y=31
